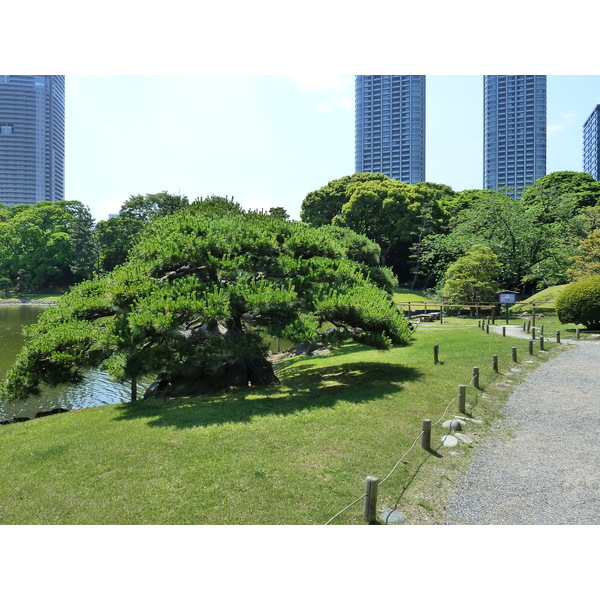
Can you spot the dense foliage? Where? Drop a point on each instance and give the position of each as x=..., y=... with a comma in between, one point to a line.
x=473, y=278
x=199, y=292
x=425, y=228
x=579, y=302
x=45, y=245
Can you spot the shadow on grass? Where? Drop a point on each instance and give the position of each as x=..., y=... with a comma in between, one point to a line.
x=303, y=387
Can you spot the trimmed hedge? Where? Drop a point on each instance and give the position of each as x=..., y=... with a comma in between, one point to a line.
x=579, y=302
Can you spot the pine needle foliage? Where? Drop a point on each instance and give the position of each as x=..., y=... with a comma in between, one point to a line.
x=202, y=289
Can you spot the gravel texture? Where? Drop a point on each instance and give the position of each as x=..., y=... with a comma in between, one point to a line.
x=548, y=471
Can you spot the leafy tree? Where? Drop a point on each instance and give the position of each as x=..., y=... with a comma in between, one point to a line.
x=197, y=295
x=588, y=261
x=279, y=212
x=473, y=278
x=322, y=205
x=114, y=239
x=152, y=206
x=579, y=302
x=49, y=241
x=560, y=195
x=530, y=251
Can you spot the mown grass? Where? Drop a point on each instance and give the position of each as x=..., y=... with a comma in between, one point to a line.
x=292, y=454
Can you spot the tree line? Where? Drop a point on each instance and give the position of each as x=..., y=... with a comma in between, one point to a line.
x=49, y=246
x=189, y=291
x=467, y=245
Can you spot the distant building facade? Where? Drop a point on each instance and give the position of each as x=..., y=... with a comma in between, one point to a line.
x=32, y=138
x=390, y=126
x=514, y=138
x=591, y=144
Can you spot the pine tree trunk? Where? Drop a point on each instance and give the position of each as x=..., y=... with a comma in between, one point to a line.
x=260, y=371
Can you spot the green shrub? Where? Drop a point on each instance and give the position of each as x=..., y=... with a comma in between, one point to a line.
x=579, y=302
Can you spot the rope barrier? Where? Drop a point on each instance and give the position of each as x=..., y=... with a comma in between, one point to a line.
x=484, y=369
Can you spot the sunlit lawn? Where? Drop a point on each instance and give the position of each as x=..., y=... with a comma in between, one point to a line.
x=293, y=454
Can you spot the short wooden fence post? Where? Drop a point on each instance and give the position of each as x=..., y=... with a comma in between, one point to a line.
x=514, y=354
x=531, y=347
x=577, y=333
x=524, y=326
x=495, y=362
x=426, y=434
x=462, y=398
x=476, y=377
x=503, y=331
x=558, y=337
x=487, y=328
x=542, y=330
x=436, y=353
x=541, y=343
x=372, y=484
x=528, y=326
x=533, y=333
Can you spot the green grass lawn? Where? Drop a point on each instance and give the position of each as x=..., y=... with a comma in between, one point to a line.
x=31, y=298
x=293, y=454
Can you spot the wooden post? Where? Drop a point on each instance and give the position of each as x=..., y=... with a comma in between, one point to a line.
x=476, y=377
x=409, y=312
x=577, y=333
x=531, y=347
x=524, y=326
x=371, y=499
x=426, y=434
x=441, y=314
x=494, y=314
x=462, y=398
x=542, y=330
x=514, y=354
x=436, y=352
x=487, y=328
x=503, y=331
x=528, y=326
x=533, y=333
x=495, y=362
x=558, y=337
x=541, y=343
x=533, y=314
x=278, y=345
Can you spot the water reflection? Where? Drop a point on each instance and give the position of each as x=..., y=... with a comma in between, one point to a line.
x=96, y=389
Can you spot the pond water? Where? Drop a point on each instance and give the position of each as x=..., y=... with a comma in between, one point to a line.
x=96, y=389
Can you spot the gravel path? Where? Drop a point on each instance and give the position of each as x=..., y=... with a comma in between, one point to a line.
x=549, y=472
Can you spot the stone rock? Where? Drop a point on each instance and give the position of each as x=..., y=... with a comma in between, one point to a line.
x=453, y=425
x=54, y=411
x=464, y=438
x=391, y=516
x=449, y=441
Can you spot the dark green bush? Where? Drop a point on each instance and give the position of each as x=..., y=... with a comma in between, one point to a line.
x=579, y=302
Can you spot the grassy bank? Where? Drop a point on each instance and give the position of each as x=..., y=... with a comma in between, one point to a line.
x=294, y=454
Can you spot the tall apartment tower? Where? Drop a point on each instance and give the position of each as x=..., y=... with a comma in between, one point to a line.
x=514, y=131
x=390, y=126
x=591, y=144
x=32, y=138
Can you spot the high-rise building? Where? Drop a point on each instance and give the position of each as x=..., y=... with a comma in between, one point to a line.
x=591, y=144
x=390, y=126
x=32, y=138
x=514, y=136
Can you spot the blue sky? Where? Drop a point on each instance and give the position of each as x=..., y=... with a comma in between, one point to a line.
x=269, y=140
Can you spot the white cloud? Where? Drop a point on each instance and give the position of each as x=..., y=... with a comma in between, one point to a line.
x=342, y=101
x=565, y=120
x=320, y=83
